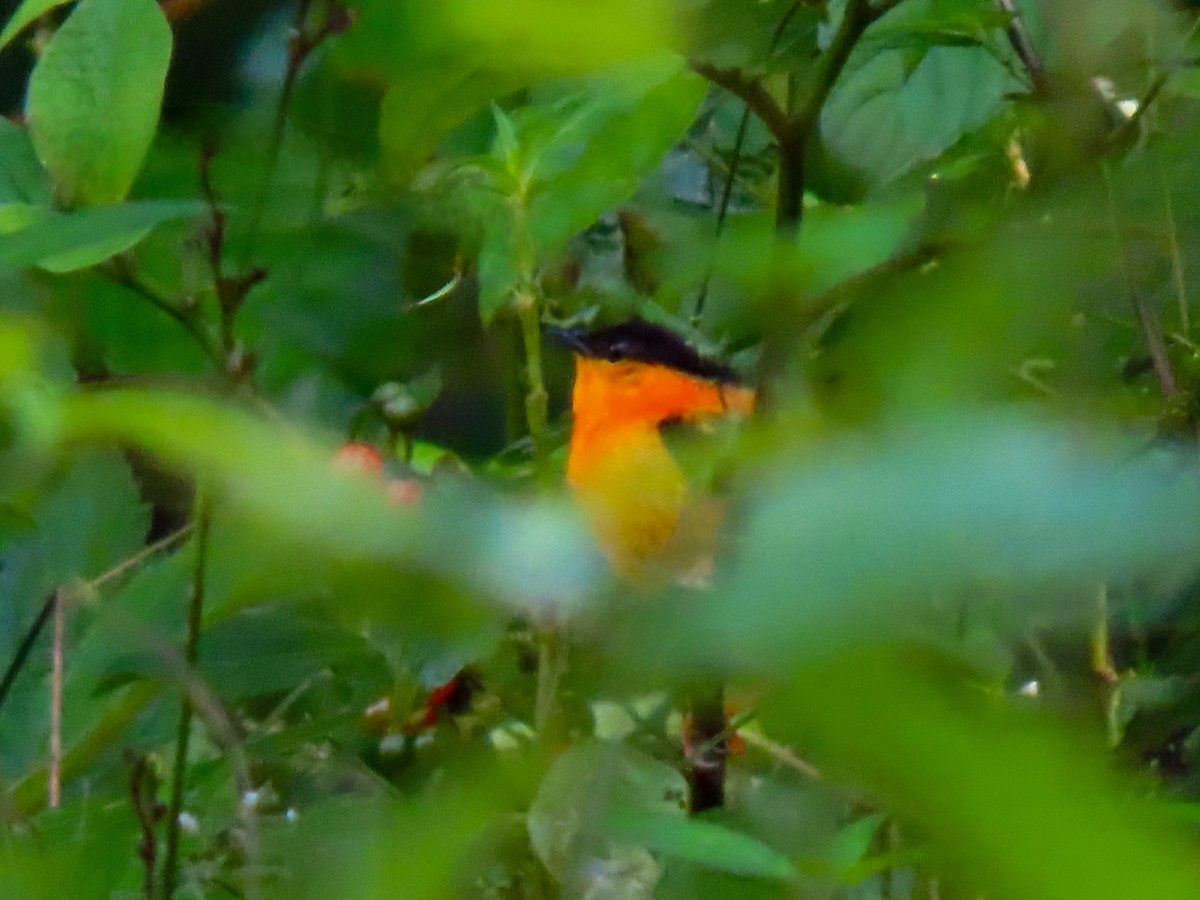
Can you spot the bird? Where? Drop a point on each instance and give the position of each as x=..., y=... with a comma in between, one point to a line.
x=633, y=381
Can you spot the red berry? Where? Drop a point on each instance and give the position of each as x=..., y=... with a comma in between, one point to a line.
x=356, y=457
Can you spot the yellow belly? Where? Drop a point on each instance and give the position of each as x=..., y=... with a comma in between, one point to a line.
x=632, y=493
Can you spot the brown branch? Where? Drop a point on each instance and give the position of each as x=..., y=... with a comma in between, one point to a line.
x=734, y=161
x=303, y=40
x=26, y=647
x=143, y=795
x=1151, y=331
x=231, y=290
x=1126, y=127
x=750, y=91
x=1018, y=38
x=57, y=660
x=47, y=608
x=120, y=271
x=856, y=17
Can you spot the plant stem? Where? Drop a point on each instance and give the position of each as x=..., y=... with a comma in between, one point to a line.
x=1152, y=335
x=545, y=706
x=191, y=654
x=537, y=401
x=789, y=207
x=54, y=769
x=122, y=273
x=26, y=647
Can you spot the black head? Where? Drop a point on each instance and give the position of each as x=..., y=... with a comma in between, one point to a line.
x=642, y=341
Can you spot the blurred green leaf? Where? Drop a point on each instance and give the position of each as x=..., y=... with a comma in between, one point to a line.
x=701, y=842
x=733, y=34
x=421, y=108
x=1002, y=793
x=25, y=15
x=94, y=97
x=79, y=851
x=21, y=177
x=568, y=821
x=861, y=540
x=839, y=244
x=64, y=242
x=545, y=36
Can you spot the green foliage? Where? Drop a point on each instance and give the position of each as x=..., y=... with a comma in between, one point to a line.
x=94, y=98
x=25, y=15
x=954, y=601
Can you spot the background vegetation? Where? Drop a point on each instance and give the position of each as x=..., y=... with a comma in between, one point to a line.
x=952, y=242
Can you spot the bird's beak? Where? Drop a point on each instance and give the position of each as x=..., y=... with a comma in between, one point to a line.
x=571, y=338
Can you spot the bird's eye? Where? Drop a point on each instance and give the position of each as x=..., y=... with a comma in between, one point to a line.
x=617, y=351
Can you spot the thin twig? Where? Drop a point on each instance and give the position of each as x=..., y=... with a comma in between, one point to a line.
x=191, y=655
x=1152, y=334
x=143, y=795
x=781, y=754
x=43, y=616
x=1151, y=94
x=302, y=41
x=750, y=91
x=735, y=159
x=25, y=647
x=722, y=211
x=54, y=768
x=1177, y=269
x=120, y=272
x=1018, y=38
x=231, y=290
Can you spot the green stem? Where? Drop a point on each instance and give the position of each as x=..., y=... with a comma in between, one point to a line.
x=191, y=655
x=537, y=402
x=545, y=707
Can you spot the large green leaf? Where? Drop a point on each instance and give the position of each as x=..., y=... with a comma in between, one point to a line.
x=94, y=97
x=568, y=821
x=894, y=110
x=1022, y=809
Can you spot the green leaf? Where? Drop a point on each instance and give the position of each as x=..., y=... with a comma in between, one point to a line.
x=422, y=107
x=92, y=519
x=567, y=821
x=22, y=179
x=697, y=841
x=624, y=127
x=890, y=112
x=258, y=652
x=94, y=97
x=853, y=842
x=546, y=36
x=25, y=15
x=63, y=242
x=1000, y=790
x=736, y=34
x=497, y=272
x=839, y=243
